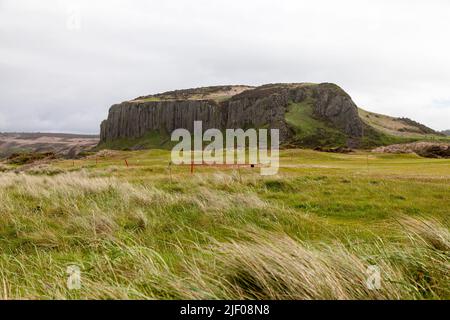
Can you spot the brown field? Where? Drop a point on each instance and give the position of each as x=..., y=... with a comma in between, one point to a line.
x=59, y=143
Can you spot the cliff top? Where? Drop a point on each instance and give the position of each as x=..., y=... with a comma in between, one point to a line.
x=224, y=92
x=217, y=93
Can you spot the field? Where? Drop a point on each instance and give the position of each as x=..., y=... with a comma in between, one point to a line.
x=150, y=230
x=59, y=143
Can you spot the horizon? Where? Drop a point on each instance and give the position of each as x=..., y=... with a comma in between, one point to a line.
x=161, y=92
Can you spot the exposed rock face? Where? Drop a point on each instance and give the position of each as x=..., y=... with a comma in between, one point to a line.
x=230, y=107
x=134, y=119
x=334, y=104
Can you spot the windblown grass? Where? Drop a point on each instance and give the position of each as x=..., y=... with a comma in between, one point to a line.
x=144, y=232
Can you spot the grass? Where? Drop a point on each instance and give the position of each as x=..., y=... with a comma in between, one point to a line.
x=374, y=138
x=310, y=131
x=152, y=230
x=379, y=130
x=150, y=99
x=150, y=140
x=394, y=130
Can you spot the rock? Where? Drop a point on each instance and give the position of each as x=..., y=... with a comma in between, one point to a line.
x=244, y=107
x=334, y=104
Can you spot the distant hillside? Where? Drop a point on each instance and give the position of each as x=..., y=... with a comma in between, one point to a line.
x=446, y=132
x=307, y=115
x=401, y=127
x=59, y=143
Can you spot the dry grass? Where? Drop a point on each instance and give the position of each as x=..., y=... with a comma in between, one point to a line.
x=429, y=231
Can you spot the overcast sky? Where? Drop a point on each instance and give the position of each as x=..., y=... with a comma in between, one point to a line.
x=64, y=63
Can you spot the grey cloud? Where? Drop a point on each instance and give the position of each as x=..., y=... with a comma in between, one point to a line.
x=391, y=56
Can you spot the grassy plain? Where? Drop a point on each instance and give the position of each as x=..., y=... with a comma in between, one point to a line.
x=151, y=230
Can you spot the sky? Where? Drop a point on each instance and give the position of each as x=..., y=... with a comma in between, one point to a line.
x=64, y=63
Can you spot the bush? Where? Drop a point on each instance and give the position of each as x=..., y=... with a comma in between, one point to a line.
x=29, y=157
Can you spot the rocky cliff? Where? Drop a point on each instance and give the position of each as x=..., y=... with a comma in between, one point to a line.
x=225, y=107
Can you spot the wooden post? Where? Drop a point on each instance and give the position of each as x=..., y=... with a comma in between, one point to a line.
x=367, y=162
x=192, y=167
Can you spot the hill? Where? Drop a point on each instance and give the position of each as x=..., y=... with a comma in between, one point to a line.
x=58, y=143
x=400, y=127
x=307, y=115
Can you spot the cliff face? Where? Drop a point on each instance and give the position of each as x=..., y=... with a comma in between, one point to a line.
x=231, y=107
x=135, y=119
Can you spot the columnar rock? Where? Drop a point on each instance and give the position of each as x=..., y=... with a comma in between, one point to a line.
x=230, y=107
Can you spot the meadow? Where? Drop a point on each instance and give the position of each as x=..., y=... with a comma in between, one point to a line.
x=140, y=228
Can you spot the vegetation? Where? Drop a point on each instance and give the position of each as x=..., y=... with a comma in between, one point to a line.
x=216, y=93
x=151, y=140
x=29, y=157
x=373, y=138
x=151, y=99
x=312, y=132
x=153, y=230
x=379, y=130
x=399, y=130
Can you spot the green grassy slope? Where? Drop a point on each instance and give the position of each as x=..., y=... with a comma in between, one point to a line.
x=152, y=140
x=309, y=131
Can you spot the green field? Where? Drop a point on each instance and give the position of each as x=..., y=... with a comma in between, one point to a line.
x=151, y=230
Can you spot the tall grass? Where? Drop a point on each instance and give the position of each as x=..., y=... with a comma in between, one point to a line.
x=211, y=236
x=275, y=266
